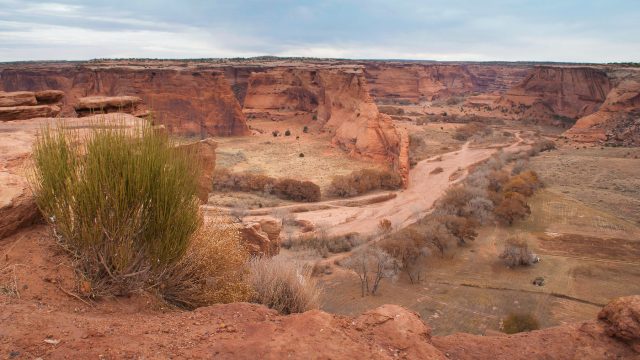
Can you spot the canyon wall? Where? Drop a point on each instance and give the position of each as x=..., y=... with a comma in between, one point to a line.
x=187, y=102
x=414, y=82
x=563, y=93
x=617, y=121
x=339, y=96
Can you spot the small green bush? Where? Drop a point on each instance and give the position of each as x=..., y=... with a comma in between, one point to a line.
x=516, y=323
x=124, y=202
x=287, y=133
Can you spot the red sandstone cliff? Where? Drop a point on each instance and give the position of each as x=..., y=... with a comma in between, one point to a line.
x=341, y=99
x=618, y=119
x=558, y=92
x=414, y=82
x=187, y=102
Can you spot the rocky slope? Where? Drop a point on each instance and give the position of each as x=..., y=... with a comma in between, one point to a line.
x=46, y=320
x=186, y=101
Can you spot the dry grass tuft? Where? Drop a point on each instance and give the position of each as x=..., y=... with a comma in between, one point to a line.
x=213, y=269
x=283, y=286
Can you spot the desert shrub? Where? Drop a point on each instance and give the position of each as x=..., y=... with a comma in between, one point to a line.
x=288, y=189
x=322, y=242
x=541, y=146
x=513, y=207
x=213, y=269
x=372, y=265
x=525, y=183
x=305, y=129
x=409, y=251
x=437, y=170
x=297, y=190
x=516, y=323
x=283, y=286
x=363, y=181
x=124, y=203
x=384, y=226
x=436, y=235
x=287, y=132
x=275, y=133
x=461, y=228
x=242, y=181
x=516, y=252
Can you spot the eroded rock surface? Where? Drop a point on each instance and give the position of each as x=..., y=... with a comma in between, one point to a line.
x=618, y=119
x=187, y=101
x=262, y=238
x=622, y=320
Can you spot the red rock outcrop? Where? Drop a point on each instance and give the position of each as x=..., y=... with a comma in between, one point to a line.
x=91, y=105
x=21, y=105
x=262, y=238
x=622, y=319
x=616, y=122
x=186, y=101
x=563, y=93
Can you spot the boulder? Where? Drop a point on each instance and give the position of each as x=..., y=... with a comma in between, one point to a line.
x=262, y=238
x=622, y=319
x=28, y=112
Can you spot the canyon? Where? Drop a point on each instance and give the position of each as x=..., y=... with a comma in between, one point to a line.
x=312, y=120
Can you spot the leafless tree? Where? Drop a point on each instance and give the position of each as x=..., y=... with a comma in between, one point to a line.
x=372, y=265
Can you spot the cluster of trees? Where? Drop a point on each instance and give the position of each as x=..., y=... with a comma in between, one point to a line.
x=284, y=188
x=363, y=181
x=490, y=193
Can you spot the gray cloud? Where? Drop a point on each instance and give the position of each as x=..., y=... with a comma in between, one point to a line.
x=543, y=30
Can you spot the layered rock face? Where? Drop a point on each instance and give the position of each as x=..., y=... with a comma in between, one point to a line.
x=91, y=105
x=341, y=100
x=559, y=92
x=392, y=82
x=187, y=102
x=21, y=105
x=617, y=121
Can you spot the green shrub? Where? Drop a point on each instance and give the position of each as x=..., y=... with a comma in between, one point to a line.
x=287, y=133
x=124, y=202
x=515, y=323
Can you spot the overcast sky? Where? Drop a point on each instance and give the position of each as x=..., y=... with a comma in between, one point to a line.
x=538, y=30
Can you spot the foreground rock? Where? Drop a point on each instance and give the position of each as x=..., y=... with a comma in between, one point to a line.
x=622, y=319
x=262, y=238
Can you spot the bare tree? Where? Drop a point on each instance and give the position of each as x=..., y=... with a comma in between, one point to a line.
x=516, y=252
x=372, y=265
